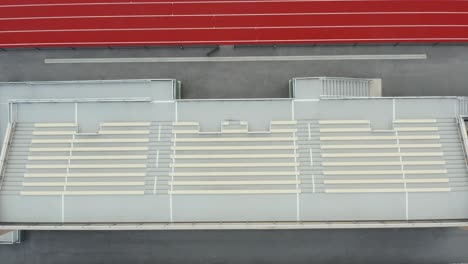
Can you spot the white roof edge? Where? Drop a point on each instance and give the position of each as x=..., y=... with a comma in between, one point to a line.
x=82, y=100
x=147, y=99
x=241, y=225
x=331, y=77
x=85, y=81
x=236, y=99
x=395, y=97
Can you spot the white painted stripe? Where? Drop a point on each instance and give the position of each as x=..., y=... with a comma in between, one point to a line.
x=246, y=139
x=189, y=2
x=159, y=132
x=380, y=146
x=415, y=121
x=76, y=113
x=154, y=3
x=387, y=190
x=197, y=183
x=279, y=15
x=384, y=172
x=379, y=181
x=82, y=192
x=109, y=157
x=239, y=59
x=84, y=174
x=175, y=28
x=382, y=154
x=40, y=184
x=358, y=129
x=311, y=159
x=403, y=175
x=124, y=29
x=233, y=173
x=63, y=209
x=343, y=122
x=235, y=156
x=234, y=191
x=125, y=124
x=155, y=179
x=383, y=163
x=55, y=125
x=90, y=140
x=233, y=147
x=84, y=166
x=123, y=132
x=419, y=137
x=88, y=149
x=227, y=165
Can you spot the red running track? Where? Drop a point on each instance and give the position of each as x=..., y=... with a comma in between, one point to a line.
x=57, y=23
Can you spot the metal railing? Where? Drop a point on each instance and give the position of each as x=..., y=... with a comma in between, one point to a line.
x=463, y=106
x=4, y=152
x=463, y=138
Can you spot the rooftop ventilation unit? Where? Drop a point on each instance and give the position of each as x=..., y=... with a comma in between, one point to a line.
x=334, y=87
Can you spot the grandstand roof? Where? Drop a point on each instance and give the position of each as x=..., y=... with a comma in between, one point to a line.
x=334, y=152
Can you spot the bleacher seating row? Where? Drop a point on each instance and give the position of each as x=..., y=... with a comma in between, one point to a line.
x=408, y=158
x=291, y=157
x=63, y=161
x=234, y=160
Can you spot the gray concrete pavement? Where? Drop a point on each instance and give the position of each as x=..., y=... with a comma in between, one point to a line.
x=443, y=73
x=204, y=247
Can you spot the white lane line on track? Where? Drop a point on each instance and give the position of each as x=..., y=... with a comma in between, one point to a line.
x=225, y=42
x=220, y=28
x=175, y=3
x=240, y=14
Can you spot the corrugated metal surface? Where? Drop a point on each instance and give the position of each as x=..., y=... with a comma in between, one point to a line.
x=463, y=106
x=41, y=23
x=345, y=87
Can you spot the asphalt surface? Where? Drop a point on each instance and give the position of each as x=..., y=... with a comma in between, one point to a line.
x=298, y=246
x=443, y=73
